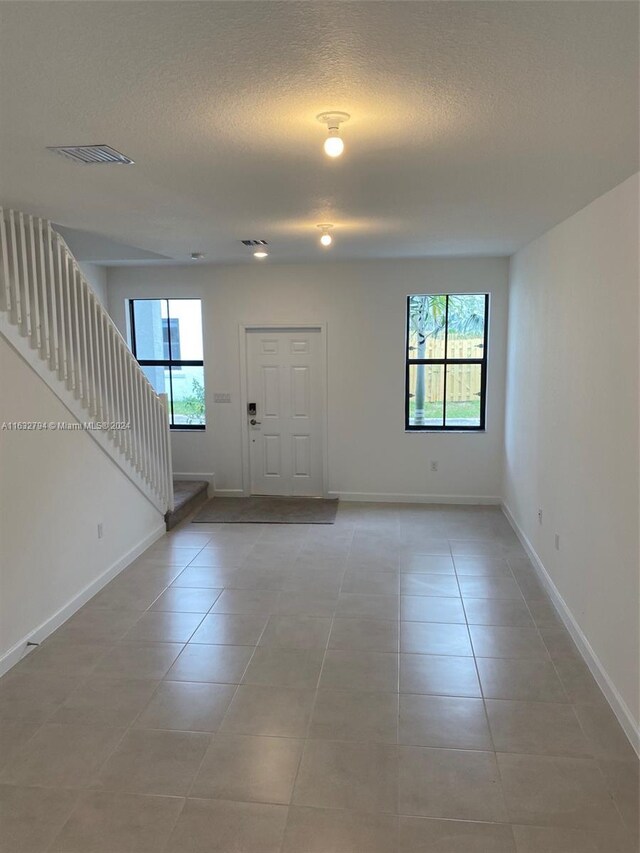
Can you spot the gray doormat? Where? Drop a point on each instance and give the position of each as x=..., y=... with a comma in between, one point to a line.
x=268, y=510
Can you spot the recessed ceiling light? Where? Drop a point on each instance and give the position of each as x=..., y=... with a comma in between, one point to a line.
x=333, y=144
x=259, y=247
x=326, y=239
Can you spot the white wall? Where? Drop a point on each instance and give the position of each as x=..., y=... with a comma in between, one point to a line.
x=97, y=278
x=572, y=422
x=54, y=489
x=363, y=304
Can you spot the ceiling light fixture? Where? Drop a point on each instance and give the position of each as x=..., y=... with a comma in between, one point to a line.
x=259, y=247
x=197, y=256
x=326, y=239
x=333, y=144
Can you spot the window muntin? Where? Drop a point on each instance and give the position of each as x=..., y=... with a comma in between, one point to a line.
x=446, y=361
x=166, y=339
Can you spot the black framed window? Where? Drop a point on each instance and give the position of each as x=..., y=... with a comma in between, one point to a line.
x=446, y=361
x=166, y=339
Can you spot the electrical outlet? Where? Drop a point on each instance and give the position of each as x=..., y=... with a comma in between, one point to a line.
x=100, y=531
x=557, y=541
x=434, y=465
x=540, y=516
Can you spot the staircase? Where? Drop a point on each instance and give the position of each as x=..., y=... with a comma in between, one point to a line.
x=51, y=316
x=188, y=495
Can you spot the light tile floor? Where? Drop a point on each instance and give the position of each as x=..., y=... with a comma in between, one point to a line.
x=393, y=683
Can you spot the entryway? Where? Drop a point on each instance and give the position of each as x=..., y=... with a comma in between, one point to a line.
x=284, y=406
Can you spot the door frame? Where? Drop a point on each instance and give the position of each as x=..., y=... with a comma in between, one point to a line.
x=244, y=329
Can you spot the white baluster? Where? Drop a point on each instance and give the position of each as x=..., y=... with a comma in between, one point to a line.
x=44, y=308
x=15, y=278
x=4, y=247
x=132, y=369
x=71, y=336
x=95, y=335
x=55, y=359
x=77, y=331
x=139, y=444
x=143, y=429
x=33, y=278
x=147, y=433
x=128, y=379
x=156, y=444
x=133, y=433
x=108, y=378
x=116, y=380
x=23, y=278
x=167, y=453
x=120, y=355
x=164, y=427
x=82, y=298
x=64, y=361
x=91, y=366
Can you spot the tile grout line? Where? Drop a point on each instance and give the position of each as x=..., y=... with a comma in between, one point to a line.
x=486, y=714
x=309, y=721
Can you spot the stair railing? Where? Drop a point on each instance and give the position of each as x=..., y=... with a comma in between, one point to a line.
x=47, y=303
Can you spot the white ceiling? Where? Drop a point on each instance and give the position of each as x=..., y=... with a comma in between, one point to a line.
x=475, y=126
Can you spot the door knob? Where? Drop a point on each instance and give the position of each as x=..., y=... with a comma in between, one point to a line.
x=254, y=422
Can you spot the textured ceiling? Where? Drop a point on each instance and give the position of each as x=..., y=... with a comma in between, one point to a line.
x=475, y=126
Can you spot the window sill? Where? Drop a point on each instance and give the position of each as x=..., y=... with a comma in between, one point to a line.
x=187, y=429
x=446, y=431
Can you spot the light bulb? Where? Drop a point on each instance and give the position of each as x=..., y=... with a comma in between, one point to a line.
x=333, y=144
x=260, y=253
x=325, y=237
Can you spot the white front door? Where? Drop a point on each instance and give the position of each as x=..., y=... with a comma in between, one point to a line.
x=285, y=384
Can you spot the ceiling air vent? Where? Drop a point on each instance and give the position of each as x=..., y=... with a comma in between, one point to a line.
x=254, y=242
x=89, y=154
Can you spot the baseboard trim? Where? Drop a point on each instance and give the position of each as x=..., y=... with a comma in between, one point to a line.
x=610, y=691
x=393, y=497
x=15, y=654
x=230, y=493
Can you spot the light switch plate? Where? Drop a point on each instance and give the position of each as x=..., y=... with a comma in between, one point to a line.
x=220, y=397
